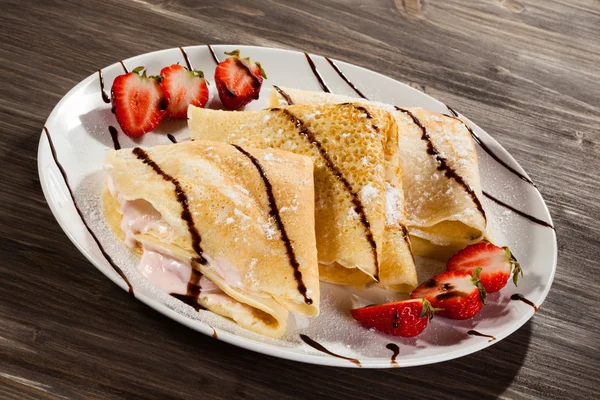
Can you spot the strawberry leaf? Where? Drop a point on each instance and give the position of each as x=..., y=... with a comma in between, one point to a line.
x=517, y=270
x=197, y=73
x=427, y=310
x=477, y=282
x=234, y=53
x=262, y=71
x=139, y=69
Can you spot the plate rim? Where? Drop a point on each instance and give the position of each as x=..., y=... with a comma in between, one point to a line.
x=267, y=348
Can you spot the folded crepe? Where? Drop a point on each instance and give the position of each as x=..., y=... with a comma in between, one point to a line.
x=221, y=227
x=359, y=205
x=440, y=174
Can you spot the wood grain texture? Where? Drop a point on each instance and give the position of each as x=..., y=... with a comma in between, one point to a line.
x=525, y=71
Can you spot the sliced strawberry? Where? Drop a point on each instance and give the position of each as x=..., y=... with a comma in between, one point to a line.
x=138, y=102
x=405, y=318
x=183, y=87
x=458, y=294
x=238, y=80
x=496, y=264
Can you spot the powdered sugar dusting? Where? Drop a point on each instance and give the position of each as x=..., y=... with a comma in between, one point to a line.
x=368, y=193
x=394, y=211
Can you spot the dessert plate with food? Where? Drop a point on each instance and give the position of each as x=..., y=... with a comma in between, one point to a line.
x=298, y=206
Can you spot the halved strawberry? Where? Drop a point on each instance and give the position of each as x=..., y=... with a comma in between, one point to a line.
x=138, y=102
x=496, y=264
x=405, y=318
x=458, y=294
x=183, y=87
x=238, y=80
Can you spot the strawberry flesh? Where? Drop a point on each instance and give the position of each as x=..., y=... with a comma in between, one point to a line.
x=458, y=295
x=138, y=102
x=496, y=264
x=183, y=87
x=406, y=318
x=238, y=81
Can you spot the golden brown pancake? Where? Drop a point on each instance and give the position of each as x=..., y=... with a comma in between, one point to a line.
x=359, y=202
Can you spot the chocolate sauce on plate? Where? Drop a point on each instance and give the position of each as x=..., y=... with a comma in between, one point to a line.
x=105, y=97
x=488, y=150
x=124, y=67
x=283, y=94
x=92, y=234
x=443, y=163
x=182, y=198
x=518, y=296
x=321, y=348
x=214, y=335
x=475, y=333
x=114, y=134
x=317, y=74
x=187, y=60
x=212, y=52
x=521, y=213
x=395, y=350
x=345, y=78
x=172, y=138
x=358, y=207
x=274, y=213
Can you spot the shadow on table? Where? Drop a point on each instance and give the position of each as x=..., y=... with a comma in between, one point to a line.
x=485, y=374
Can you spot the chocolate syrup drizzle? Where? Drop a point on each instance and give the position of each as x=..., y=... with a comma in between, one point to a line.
x=488, y=150
x=92, y=234
x=187, y=60
x=475, y=333
x=182, y=198
x=105, y=97
x=343, y=76
x=477, y=140
x=443, y=163
x=274, y=213
x=114, y=134
x=212, y=52
x=124, y=67
x=395, y=349
x=192, y=291
x=172, y=138
x=317, y=74
x=518, y=296
x=366, y=112
x=521, y=213
x=283, y=94
x=358, y=207
x=321, y=348
x=476, y=137
x=214, y=334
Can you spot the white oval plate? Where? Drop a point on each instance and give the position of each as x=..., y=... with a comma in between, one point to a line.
x=78, y=128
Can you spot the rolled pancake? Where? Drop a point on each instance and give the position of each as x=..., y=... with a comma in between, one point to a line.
x=440, y=174
x=358, y=192
x=233, y=214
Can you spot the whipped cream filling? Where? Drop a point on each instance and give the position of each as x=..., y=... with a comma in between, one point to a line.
x=139, y=216
x=165, y=272
x=170, y=274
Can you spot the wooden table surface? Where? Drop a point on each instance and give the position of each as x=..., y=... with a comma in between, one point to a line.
x=526, y=71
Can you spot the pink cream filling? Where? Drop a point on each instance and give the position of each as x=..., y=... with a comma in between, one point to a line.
x=167, y=273
x=170, y=274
